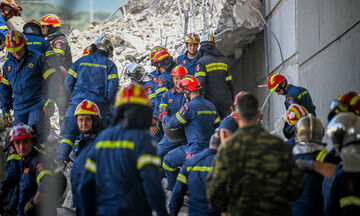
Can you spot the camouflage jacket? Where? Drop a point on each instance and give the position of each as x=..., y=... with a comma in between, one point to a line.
x=254, y=174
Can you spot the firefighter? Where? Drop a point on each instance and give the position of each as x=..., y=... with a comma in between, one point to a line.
x=171, y=102
x=349, y=102
x=35, y=40
x=26, y=76
x=8, y=9
x=88, y=119
x=293, y=94
x=192, y=177
x=293, y=115
x=61, y=57
x=137, y=74
x=121, y=175
x=199, y=117
x=213, y=73
x=344, y=196
x=93, y=77
x=188, y=59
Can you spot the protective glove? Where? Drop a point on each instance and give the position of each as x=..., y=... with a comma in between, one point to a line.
x=61, y=164
x=154, y=129
x=30, y=208
x=164, y=110
x=49, y=108
x=8, y=119
x=189, y=155
x=305, y=165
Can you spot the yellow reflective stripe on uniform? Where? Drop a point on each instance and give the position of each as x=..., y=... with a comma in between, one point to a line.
x=13, y=157
x=178, y=116
x=90, y=165
x=5, y=81
x=92, y=65
x=321, y=156
x=39, y=150
x=161, y=90
x=199, y=168
x=34, y=43
x=228, y=78
x=3, y=27
x=216, y=66
x=113, y=76
x=181, y=178
x=48, y=72
x=200, y=73
x=349, y=200
x=151, y=96
x=302, y=94
x=72, y=73
x=76, y=142
x=169, y=168
x=49, y=53
x=217, y=120
x=115, y=144
x=148, y=159
x=206, y=112
x=41, y=174
x=59, y=51
x=68, y=142
x=161, y=105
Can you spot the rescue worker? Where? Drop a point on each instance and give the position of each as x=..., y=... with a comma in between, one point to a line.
x=35, y=41
x=32, y=98
x=88, y=119
x=199, y=117
x=293, y=94
x=214, y=76
x=8, y=9
x=344, y=196
x=188, y=59
x=36, y=175
x=61, y=57
x=254, y=173
x=121, y=175
x=170, y=104
x=137, y=74
x=93, y=77
x=349, y=102
x=192, y=177
x=293, y=115
x=149, y=86
x=309, y=133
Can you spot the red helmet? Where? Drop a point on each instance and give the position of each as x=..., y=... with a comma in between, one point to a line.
x=14, y=5
x=238, y=95
x=349, y=102
x=132, y=94
x=190, y=83
x=86, y=51
x=21, y=131
x=159, y=56
x=179, y=70
x=155, y=50
x=51, y=20
x=294, y=113
x=274, y=81
x=192, y=38
x=87, y=107
x=14, y=40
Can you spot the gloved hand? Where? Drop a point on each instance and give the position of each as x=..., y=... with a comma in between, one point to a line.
x=189, y=155
x=163, y=111
x=61, y=164
x=154, y=129
x=8, y=118
x=305, y=165
x=49, y=107
x=30, y=208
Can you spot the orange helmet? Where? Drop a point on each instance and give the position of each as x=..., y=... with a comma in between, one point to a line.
x=86, y=51
x=160, y=55
x=51, y=20
x=155, y=50
x=21, y=131
x=14, y=40
x=239, y=95
x=179, y=70
x=132, y=94
x=190, y=83
x=294, y=113
x=87, y=107
x=349, y=102
x=14, y=5
x=274, y=81
x=192, y=38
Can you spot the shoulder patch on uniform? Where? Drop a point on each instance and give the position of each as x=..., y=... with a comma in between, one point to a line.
x=184, y=62
x=39, y=167
x=9, y=68
x=197, y=67
x=26, y=170
x=30, y=65
x=154, y=79
x=290, y=100
x=171, y=100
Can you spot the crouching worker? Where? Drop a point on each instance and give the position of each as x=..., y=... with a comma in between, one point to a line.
x=88, y=119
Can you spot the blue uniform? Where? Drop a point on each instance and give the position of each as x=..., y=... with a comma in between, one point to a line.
x=311, y=201
x=36, y=43
x=121, y=175
x=35, y=174
x=199, y=117
x=3, y=29
x=299, y=95
x=189, y=64
x=174, y=100
x=80, y=151
x=149, y=87
x=25, y=86
x=192, y=177
x=344, y=197
x=162, y=85
x=93, y=77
